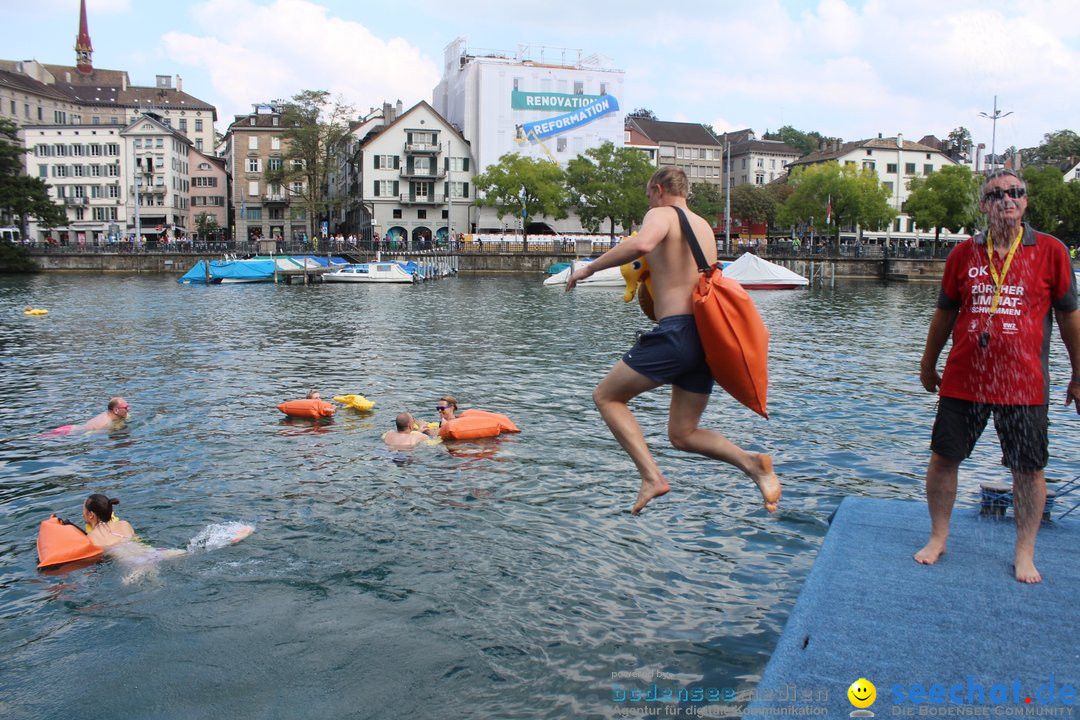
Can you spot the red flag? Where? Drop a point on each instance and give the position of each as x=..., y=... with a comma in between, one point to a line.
x=828, y=211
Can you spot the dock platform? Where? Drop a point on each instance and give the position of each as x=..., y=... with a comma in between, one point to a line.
x=960, y=637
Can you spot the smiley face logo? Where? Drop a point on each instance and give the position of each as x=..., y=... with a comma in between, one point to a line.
x=862, y=693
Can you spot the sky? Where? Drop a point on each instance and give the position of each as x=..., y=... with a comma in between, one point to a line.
x=845, y=68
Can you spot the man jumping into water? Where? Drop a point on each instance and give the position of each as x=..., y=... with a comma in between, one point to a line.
x=671, y=352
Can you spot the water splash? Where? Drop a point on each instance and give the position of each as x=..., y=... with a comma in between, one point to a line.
x=219, y=535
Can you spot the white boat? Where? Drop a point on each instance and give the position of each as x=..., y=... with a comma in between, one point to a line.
x=376, y=272
x=754, y=273
x=609, y=277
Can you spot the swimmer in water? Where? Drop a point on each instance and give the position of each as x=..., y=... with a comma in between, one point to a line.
x=114, y=417
x=403, y=437
x=118, y=539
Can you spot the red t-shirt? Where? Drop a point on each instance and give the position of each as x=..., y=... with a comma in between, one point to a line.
x=1013, y=367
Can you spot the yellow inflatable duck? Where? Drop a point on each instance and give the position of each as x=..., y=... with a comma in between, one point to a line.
x=34, y=311
x=638, y=281
x=356, y=402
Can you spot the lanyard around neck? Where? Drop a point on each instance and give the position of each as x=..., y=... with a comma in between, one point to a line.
x=999, y=280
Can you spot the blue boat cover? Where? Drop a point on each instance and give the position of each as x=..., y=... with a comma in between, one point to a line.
x=229, y=269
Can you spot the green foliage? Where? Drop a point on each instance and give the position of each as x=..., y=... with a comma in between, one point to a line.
x=804, y=142
x=948, y=199
x=858, y=198
x=1048, y=199
x=313, y=127
x=1056, y=147
x=959, y=138
x=707, y=200
x=16, y=259
x=206, y=225
x=22, y=196
x=642, y=112
x=610, y=185
x=517, y=182
x=759, y=203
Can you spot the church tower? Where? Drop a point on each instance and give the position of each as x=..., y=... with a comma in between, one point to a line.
x=83, y=48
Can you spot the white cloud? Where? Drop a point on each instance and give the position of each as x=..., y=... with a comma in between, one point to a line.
x=293, y=45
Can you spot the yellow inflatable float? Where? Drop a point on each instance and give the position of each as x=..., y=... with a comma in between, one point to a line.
x=356, y=402
x=638, y=281
x=34, y=311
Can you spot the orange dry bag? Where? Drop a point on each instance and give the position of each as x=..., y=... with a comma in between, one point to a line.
x=60, y=542
x=307, y=408
x=735, y=339
x=505, y=423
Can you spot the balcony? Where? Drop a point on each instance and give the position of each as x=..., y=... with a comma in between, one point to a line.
x=423, y=175
x=434, y=199
x=423, y=148
x=76, y=201
x=275, y=198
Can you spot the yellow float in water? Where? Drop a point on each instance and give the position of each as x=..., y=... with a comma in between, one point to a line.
x=356, y=402
x=35, y=311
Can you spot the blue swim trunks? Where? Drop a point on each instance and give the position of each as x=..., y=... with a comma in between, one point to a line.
x=672, y=353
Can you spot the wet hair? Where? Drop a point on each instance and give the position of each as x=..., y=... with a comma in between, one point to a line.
x=672, y=180
x=403, y=421
x=449, y=400
x=1004, y=172
x=101, y=506
x=312, y=393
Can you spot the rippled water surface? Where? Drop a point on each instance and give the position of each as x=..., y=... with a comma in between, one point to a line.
x=494, y=579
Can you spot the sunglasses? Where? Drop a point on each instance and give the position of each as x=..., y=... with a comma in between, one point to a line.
x=442, y=407
x=997, y=194
x=121, y=407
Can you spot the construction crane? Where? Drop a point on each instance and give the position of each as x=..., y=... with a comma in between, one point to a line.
x=531, y=134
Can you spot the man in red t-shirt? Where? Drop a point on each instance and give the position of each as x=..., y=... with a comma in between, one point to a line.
x=997, y=294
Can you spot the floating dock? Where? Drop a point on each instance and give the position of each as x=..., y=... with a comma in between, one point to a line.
x=957, y=638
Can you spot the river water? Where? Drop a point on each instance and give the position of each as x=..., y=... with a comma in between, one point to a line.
x=494, y=579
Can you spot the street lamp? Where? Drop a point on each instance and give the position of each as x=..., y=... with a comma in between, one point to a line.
x=993, y=133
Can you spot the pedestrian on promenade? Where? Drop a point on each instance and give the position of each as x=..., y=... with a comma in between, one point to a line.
x=671, y=352
x=997, y=294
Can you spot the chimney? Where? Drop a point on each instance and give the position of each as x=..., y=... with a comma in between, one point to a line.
x=179, y=84
x=399, y=109
x=979, y=156
x=387, y=114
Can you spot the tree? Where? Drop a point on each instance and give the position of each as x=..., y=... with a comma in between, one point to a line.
x=1056, y=147
x=313, y=127
x=21, y=196
x=856, y=197
x=205, y=226
x=947, y=199
x=707, y=200
x=759, y=203
x=642, y=112
x=959, y=138
x=518, y=184
x=1048, y=199
x=804, y=142
x=610, y=185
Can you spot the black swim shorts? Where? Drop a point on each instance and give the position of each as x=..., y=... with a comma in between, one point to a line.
x=1022, y=431
x=672, y=353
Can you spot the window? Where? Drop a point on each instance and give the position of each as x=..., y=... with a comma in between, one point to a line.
x=95, y=120
x=253, y=188
x=297, y=188
x=198, y=125
x=422, y=166
x=60, y=150
x=95, y=150
x=421, y=190
x=560, y=144
x=198, y=143
x=888, y=187
x=869, y=165
x=254, y=213
x=459, y=164
x=78, y=191
x=385, y=188
x=43, y=171
x=80, y=213
x=927, y=168
x=275, y=143
x=421, y=214
x=183, y=125
x=77, y=170
x=909, y=168
x=113, y=191
x=459, y=190
x=60, y=171
x=59, y=117
x=890, y=168
x=159, y=143
x=112, y=170
x=77, y=150
x=253, y=142
x=95, y=191
x=14, y=108
x=273, y=163
x=111, y=149
x=579, y=87
x=253, y=164
x=761, y=163
x=387, y=162
x=603, y=88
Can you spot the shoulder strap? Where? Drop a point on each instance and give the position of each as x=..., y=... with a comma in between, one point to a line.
x=691, y=240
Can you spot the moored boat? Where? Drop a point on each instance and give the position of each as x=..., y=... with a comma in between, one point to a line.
x=608, y=277
x=755, y=273
x=376, y=272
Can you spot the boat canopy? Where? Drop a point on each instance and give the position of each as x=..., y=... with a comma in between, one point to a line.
x=751, y=270
x=249, y=270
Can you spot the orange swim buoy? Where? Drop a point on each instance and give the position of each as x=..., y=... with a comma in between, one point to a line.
x=59, y=543
x=307, y=408
x=472, y=424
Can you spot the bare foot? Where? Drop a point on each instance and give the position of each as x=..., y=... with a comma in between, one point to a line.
x=1025, y=571
x=648, y=491
x=929, y=555
x=767, y=482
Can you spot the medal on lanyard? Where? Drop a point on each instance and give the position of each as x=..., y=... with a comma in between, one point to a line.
x=999, y=280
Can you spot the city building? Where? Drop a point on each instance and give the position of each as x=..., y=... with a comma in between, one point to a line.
x=255, y=145
x=412, y=172
x=84, y=168
x=209, y=190
x=545, y=103
x=895, y=161
x=634, y=138
x=689, y=146
x=160, y=169
x=755, y=161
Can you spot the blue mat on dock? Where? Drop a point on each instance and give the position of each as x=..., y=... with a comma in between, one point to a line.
x=930, y=638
